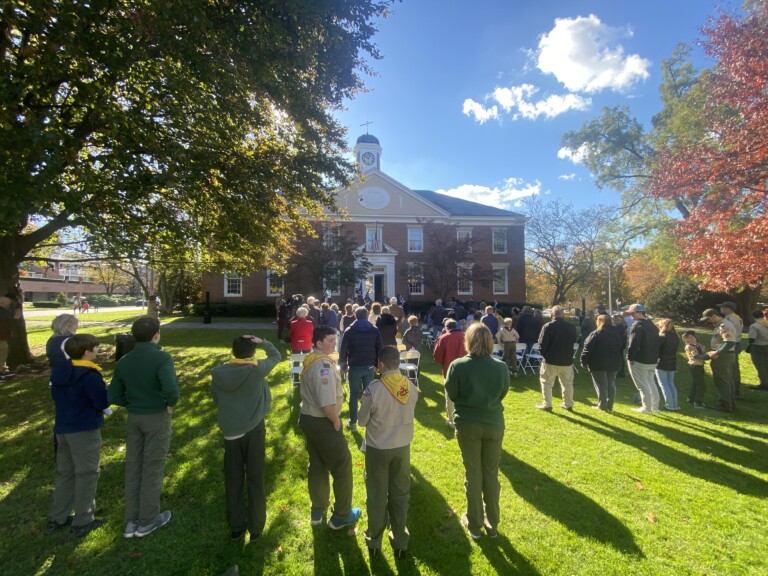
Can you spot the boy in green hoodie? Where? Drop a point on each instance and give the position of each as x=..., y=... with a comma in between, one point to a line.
x=240, y=391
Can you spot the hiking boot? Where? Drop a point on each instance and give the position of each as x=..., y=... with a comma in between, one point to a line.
x=85, y=529
x=337, y=522
x=160, y=520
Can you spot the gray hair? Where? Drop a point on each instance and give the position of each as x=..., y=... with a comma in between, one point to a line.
x=301, y=312
x=361, y=313
x=64, y=325
x=558, y=311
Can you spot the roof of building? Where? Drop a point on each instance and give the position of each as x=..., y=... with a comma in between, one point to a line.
x=459, y=207
x=368, y=139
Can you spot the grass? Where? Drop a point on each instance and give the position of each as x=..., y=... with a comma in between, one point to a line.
x=582, y=494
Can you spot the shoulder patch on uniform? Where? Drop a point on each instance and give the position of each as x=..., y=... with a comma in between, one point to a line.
x=325, y=364
x=324, y=371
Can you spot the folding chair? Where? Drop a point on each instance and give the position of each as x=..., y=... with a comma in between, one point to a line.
x=498, y=350
x=427, y=338
x=575, y=354
x=520, y=355
x=297, y=365
x=534, y=354
x=409, y=364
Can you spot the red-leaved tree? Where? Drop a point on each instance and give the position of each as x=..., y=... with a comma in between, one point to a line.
x=725, y=238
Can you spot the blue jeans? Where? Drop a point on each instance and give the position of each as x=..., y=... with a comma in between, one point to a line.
x=666, y=380
x=359, y=377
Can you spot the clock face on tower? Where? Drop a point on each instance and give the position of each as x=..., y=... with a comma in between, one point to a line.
x=368, y=158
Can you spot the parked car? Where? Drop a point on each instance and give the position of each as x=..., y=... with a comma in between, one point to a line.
x=141, y=303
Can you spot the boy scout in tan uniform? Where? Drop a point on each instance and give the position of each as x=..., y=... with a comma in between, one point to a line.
x=723, y=355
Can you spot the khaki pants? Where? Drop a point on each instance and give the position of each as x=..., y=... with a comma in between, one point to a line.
x=548, y=373
x=147, y=439
x=77, y=474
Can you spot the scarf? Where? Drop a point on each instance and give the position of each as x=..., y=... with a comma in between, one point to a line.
x=398, y=385
x=86, y=364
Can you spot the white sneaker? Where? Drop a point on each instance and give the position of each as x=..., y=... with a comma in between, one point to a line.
x=641, y=410
x=352, y=427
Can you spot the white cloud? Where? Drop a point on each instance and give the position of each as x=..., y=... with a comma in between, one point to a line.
x=582, y=54
x=480, y=112
x=570, y=176
x=576, y=156
x=507, y=195
x=518, y=101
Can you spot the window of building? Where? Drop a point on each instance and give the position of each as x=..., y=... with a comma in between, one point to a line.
x=275, y=284
x=331, y=235
x=415, y=280
x=500, y=279
x=464, y=237
x=464, y=277
x=233, y=284
x=415, y=239
x=499, y=240
x=374, y=241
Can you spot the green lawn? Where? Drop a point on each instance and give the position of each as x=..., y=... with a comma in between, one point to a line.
x=586, y=493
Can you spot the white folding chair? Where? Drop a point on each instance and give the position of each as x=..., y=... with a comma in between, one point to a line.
x=520, y=355
x=297, y=365
x=535, y=355
x=575, y=354
x=498, y=350
x=409, y=364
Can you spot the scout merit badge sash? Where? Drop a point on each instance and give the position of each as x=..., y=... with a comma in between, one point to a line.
x=398, y=385
x=313, y=357
x=87, y=364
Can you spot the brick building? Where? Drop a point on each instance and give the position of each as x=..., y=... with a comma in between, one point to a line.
x=395, y=228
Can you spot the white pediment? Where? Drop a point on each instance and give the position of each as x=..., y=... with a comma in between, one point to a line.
x=382, y=197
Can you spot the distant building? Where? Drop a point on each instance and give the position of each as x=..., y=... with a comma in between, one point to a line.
x=45, y=283
x=391, y=224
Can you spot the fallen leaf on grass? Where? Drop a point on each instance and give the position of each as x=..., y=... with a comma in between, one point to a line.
x=450, y=513
x=638, y=483
x=280, y=551
x=136, y=554
x=283, y=508
x=536, y=488
x=651, y=517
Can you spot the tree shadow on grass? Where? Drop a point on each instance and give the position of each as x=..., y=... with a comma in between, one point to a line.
x=755, y=456
x=705, y=469
x=573, y=509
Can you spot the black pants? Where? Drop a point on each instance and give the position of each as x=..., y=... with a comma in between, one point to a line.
x=244, y=464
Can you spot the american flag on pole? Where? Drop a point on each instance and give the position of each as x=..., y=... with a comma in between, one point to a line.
x=376, y=239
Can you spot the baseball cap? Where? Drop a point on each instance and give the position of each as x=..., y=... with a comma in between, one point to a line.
x=635, y=308
x=730, y=305
x=708, y=313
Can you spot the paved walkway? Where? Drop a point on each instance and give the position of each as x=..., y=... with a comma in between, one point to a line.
x=169, y=324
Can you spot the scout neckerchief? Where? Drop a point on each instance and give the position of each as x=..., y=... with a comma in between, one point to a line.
x=313, y=357
x=398, y=385
x=252, y=361
x=763, y=321
x=87, y=364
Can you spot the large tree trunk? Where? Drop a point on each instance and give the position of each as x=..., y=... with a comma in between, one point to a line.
x=746, y=300
x=18, y=348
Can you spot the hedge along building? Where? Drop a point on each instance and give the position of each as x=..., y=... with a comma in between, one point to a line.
x=418, y=244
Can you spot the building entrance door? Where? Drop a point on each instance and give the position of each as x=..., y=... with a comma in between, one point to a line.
x=378, y=287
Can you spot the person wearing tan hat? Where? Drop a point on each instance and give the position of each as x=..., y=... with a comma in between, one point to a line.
x=728, y=310
x=642, y=357
x=723, y=344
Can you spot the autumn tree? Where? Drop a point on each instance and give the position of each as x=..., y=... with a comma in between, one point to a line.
x=561, y=243
x=723, y=176
x=174, y=123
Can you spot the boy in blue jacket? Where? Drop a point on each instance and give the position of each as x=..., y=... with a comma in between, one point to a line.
x=80, y=395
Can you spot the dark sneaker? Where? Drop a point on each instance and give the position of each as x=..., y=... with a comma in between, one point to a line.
x=236, y=535
x=130, y=529
x=373, y=552
x=53, y=526
x=465, y=523
x=337, y=522
x=400, y=553
x=85, y=529
x=160, y=520
x=316, y=517
x=254, y=537
x=492, y=532
x=699, y=405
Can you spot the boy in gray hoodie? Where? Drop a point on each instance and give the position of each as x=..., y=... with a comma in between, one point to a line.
x=240, y=390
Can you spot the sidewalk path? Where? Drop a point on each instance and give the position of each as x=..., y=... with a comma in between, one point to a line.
x=171, y=325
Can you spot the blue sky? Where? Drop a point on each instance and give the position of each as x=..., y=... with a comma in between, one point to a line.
x=472, y=98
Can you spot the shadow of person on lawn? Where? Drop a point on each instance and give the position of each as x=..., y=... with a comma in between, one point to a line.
x=570, y=507
x=703, y=468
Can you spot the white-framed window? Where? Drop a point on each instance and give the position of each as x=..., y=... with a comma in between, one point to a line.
x=275, y=284
x=464, y=279
x=331, y=235
x=233, y=284
x=415, y=239
x=499, y=240
x=415, y=280
x=331, y=279
x=374, y=240
x=464, y=237
x=500, y=278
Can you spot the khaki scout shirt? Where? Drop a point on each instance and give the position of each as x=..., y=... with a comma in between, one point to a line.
x=321, y=386
x=729, y=335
